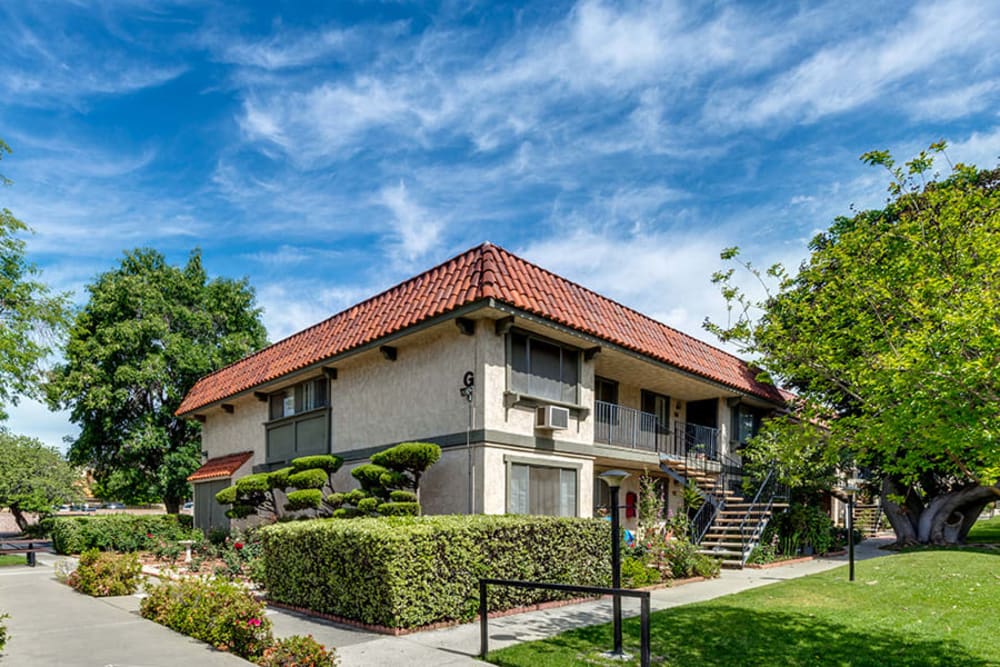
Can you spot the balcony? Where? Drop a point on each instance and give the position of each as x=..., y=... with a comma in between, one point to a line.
x=626, y=427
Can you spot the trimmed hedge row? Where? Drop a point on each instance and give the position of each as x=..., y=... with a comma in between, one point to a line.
x=404, y=572
x=117, y=532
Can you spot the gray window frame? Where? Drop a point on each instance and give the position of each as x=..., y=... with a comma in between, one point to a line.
x=575, y=466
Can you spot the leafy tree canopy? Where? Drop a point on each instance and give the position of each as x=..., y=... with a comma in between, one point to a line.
x=33, y=477
x=30, y=316
x=890, y=334
x=147, y=333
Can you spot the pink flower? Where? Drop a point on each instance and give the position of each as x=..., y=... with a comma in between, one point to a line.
x=149, y=535
x=255, y=622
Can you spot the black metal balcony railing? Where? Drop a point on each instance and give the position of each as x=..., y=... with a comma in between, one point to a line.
x=628, y=427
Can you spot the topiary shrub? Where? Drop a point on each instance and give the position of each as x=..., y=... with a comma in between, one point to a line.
x=409, y=460
x=298, y=651
x=399, y=509
x=402, y=496
x=325, y=462
x=105, y=574
x=400, y=584
x=368, y=505
x=119, y=532
x=314, y=478
x=369, y=476
x=304, y=500
x=218, y=612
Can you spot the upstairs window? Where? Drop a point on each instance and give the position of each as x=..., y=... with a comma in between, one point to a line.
x=746, y=423
x=297, y=399
x=543, y=369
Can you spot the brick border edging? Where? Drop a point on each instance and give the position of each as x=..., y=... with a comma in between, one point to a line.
x=399, y=632
x=793, y=561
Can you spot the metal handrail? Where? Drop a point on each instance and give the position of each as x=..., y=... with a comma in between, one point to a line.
x=715, y=498
x=765, y=489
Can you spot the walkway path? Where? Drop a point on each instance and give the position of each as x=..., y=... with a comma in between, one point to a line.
x=51, y=625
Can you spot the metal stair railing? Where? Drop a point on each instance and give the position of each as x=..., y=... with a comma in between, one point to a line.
x=730, y=472
x=752, y=528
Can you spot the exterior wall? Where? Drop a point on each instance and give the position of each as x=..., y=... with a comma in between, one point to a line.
x=376, y=402
x=519, y=419
x=494, y=487
x=242, y=431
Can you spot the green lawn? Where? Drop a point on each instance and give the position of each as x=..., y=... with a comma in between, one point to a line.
x=984, y=531
x=920, y=609
x=9, y=559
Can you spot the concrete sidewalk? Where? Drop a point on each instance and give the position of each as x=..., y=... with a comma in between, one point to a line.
x=52, y=625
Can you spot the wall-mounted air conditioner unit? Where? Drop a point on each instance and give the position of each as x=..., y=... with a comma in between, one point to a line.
x=552, y=417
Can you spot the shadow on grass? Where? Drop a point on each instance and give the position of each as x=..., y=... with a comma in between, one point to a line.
x=723, y=635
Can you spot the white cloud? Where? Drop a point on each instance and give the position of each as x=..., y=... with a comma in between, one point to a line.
x=415, y=230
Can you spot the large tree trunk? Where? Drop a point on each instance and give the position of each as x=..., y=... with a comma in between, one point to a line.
x=943, y=519
x=173, y=505
x=22, y=521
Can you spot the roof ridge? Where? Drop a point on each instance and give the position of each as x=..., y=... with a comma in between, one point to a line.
x=616, y=303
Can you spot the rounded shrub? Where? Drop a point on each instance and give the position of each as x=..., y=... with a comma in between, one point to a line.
x=354, y=497
x=105, y=574
x=402, y=496
x=278, y=479
x=227, y=496
x=368, y=505
x=218, y=612
x=335, y=500
x=298, y=651
x=369, y=475
x=326, y=462
x=253, y=483
x=304, y=499
x=314, y=478
x=408, y=456
x=399, y=509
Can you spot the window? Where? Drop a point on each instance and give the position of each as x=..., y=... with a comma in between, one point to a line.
x=541, y=489
x=746, y=423
x=543, y=369
x=303, y=397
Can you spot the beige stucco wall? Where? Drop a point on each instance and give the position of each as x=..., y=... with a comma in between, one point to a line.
x=519, y=419
x=494, y=487
x=377, y=402
x=243, y=430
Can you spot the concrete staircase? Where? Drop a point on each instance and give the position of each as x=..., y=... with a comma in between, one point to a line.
x=730, y=538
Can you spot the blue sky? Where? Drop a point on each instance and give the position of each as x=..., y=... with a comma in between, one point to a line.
x=329, y=150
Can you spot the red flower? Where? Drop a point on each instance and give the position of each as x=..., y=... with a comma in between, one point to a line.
x=149, y=535
x=238, y=546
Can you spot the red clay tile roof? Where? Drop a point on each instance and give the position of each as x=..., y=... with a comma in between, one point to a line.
x=486, y=271
x=222, y=466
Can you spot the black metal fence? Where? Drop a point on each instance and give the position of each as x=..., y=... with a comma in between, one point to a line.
x=484, y=636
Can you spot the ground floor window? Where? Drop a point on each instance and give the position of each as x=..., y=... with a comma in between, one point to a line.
x=542, y=489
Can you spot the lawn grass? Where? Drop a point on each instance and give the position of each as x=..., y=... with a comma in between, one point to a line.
x=985, y=531
x=919, y=609
x=12, y=559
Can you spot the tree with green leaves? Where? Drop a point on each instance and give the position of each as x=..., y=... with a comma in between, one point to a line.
x=30, y=316
x=890, y=334
x=33, y=478
x=148, y=331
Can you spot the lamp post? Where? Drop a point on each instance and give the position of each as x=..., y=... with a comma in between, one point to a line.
x=852, y=488
x=614, y=479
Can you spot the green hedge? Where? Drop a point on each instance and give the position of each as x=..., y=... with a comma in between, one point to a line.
x=118, y=532
x=406, y=572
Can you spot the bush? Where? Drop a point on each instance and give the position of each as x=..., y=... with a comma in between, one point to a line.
x=801, y=526
x=402, y=496
x=399, y=509
x=304, y=499
x=388, y=571
x=119, y=532
x=105, y=574
x=325, y=462
x=706, y=566
x=636, y=572
x=314, y=478
x=3, y=631
x=298, y=651
x=218, y=612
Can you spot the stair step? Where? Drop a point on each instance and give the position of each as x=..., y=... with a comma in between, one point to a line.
x=721, y=552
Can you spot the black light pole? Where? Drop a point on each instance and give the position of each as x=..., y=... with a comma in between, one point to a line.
x=614, y=479
x=852, y=489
